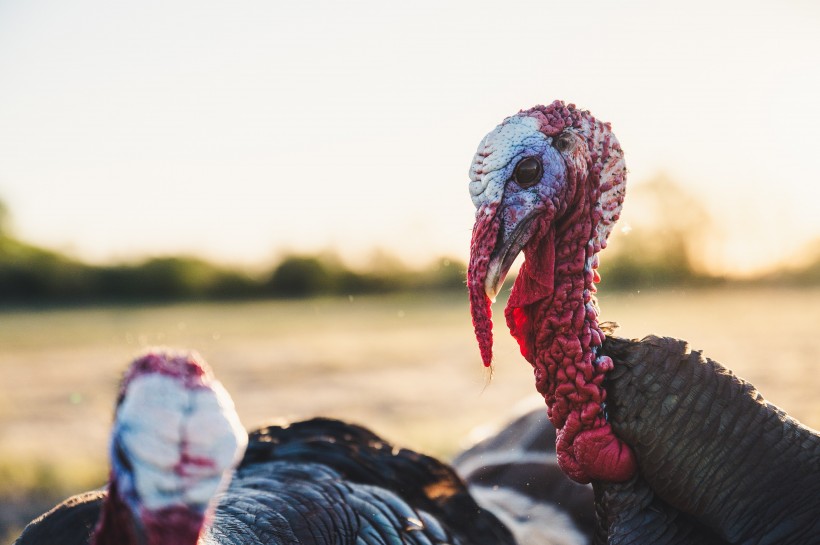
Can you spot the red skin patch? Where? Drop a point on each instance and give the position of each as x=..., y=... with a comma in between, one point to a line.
x=192, y=371
x=187, y=462
x=178, y=525
x=115, y=524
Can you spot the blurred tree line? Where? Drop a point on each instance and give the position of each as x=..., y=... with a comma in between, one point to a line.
x=32, y=275
x=660, y=250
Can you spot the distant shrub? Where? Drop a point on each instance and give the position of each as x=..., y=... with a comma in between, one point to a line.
x=173, y=278
x=642, y=263
x=300, y=276
x=664, y=246
x=304, y=276
x=28, y=273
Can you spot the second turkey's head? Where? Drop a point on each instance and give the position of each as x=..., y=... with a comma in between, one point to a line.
x=545, y=179
x=175, y=443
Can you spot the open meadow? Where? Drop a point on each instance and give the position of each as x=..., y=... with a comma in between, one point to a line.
x=406, y=366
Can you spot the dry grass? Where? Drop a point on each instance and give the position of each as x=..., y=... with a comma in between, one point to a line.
x=405, y=366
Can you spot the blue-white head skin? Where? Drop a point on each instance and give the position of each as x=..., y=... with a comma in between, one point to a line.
x=175, y=443
x=516, y=151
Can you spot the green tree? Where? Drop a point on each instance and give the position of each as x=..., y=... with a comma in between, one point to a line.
x=301, y=276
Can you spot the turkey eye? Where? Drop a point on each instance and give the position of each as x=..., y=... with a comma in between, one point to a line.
x=528, y=172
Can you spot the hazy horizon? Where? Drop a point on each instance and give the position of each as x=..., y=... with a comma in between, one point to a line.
x=242, y=132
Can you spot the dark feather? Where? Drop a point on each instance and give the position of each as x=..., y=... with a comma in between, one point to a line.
x=362, y=457
x=69, y=523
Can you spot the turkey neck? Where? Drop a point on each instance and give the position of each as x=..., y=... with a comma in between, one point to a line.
x=558, y=333
x=115, y=525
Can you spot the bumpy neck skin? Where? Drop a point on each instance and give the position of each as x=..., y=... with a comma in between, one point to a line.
x=559, y=335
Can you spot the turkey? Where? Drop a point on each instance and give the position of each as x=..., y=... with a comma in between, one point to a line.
x=679, y=450
x=184, y=472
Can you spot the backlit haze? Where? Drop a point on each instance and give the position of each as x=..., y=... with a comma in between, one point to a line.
x=241, y=130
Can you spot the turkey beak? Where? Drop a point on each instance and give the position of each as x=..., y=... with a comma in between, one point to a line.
x=513, y=235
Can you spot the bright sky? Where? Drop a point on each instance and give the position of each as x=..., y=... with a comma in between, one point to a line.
x=237, y=130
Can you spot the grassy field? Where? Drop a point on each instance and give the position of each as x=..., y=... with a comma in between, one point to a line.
x=405, y=366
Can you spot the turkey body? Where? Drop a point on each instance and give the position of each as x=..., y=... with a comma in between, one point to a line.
x=319, y=481
x=719, y=464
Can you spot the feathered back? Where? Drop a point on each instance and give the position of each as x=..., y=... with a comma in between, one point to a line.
x=362, y=457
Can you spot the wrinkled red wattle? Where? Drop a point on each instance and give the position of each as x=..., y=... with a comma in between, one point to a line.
x=558, y=335
x=566, y=371
x=485, y=233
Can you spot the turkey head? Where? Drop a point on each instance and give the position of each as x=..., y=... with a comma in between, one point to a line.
x=175, y=443
x=549, y=182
